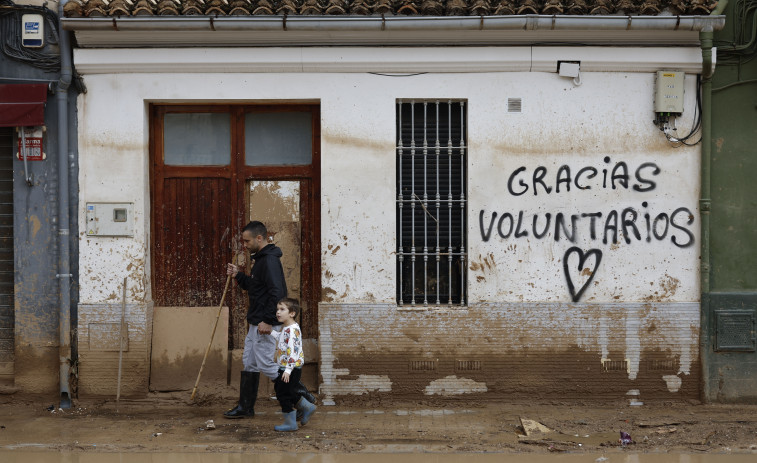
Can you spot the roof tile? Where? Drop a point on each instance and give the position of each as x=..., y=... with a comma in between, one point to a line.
x=73, y=9
x=480, y=7
x=168, y=8
x=336, y=7
x=553, y=7
x=95, y=9
x=311, y=8
x=143, y=8
x=262, y=8
x=360, y=7
x=505, y=8
x=217, y=8
x=383, y=7
x=579, y=7
x=112, y=8
x=119, y=8
x=528, y=7
x=603, y=7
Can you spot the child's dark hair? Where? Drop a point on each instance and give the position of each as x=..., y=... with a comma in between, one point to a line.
x=292, y=304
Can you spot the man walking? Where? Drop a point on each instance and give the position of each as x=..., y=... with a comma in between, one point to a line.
x=265, y=287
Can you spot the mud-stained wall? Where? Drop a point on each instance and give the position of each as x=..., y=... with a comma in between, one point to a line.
x=37, y=357
x=581, y=222
x=34, y=366
x=583, y=237
x=180, y=338
x=113, y=168
x=99, y=345
x=491, y=351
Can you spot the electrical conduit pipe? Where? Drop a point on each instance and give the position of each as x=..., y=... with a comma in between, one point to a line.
x=64, y=275
x=705, y=38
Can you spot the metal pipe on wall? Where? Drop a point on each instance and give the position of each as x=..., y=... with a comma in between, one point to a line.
x=64, y=271
x=706, y=37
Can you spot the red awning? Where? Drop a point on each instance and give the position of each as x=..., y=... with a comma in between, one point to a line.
x=22, y=105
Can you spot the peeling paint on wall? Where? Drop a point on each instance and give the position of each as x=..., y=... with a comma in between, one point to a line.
x=35, y=225
x=104, y=262
x=673, y=382
x=452, y=385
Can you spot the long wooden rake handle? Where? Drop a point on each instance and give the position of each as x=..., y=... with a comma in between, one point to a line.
x=218, y=317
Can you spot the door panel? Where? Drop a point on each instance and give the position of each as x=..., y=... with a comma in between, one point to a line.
x=277, y=204
x=193, y=237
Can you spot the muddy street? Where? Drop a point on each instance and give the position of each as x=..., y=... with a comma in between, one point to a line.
x=169, y=423
x=161, y=457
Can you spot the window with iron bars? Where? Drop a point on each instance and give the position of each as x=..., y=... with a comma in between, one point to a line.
x=431, y=202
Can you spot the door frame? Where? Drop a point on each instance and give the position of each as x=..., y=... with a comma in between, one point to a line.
x=239, y=174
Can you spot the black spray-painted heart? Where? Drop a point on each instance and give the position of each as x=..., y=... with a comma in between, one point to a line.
x=581, y=261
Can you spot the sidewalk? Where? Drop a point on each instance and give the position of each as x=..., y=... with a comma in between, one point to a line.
x=161, y=424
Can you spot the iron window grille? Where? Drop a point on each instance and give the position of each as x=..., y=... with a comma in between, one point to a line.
x=431, y=202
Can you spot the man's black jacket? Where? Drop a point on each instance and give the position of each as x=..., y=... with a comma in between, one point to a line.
x=265, y=285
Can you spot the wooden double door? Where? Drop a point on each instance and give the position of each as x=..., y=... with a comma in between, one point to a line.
x=216, y=167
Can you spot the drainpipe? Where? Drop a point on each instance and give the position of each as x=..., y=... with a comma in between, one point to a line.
x=705, y=38
x=64, y=272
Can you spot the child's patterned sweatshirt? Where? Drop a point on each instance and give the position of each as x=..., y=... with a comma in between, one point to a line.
x=289, y=352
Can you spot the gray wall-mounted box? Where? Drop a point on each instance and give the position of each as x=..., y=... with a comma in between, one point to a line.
x=110, y=219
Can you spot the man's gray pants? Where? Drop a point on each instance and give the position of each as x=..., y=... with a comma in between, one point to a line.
x=259, y=350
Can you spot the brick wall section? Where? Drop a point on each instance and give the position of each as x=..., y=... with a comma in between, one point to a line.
x=98, y=350
x=491, y=351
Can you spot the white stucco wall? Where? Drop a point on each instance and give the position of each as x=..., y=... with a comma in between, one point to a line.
x=641, y=304
x=609, y=115
x=114, y=161
x=597, y=125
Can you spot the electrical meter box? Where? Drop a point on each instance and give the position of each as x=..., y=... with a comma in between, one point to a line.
x=668, y=95
x=32, y=30
x=110, y=219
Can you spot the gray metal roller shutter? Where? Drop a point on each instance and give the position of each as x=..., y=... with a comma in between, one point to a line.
x=6, y=255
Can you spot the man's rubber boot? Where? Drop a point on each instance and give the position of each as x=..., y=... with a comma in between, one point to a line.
x=302, y=391
x=307, y=409
x=248, y=392
x=290, y=422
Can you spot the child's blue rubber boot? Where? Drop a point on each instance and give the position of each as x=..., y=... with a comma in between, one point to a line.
x=290, y=422
x=307, y=409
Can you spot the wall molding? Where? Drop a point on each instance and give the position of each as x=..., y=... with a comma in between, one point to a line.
x=384, y=60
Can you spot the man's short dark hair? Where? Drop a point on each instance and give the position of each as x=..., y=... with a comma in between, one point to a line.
x=292, y=304
x=256, y=228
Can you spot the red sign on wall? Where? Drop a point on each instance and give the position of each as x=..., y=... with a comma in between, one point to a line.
x=33, y=149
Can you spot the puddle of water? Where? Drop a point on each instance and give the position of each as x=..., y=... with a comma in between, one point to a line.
x=26, y=456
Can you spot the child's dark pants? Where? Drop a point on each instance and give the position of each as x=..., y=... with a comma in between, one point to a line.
x=287, y=392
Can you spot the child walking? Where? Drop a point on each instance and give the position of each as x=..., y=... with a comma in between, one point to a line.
x=290, y=358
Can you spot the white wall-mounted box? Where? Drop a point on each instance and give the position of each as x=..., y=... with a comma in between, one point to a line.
x=32, y=30
x=668, y=96
x=110, y=219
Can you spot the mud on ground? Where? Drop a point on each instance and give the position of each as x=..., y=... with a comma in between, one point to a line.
x=169, y=422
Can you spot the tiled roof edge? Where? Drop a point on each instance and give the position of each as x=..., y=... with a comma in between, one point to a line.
x=363, y=8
